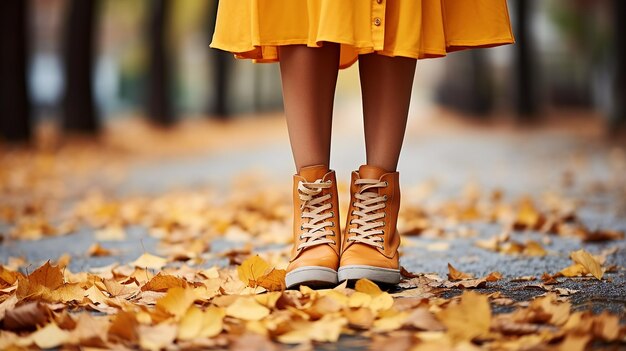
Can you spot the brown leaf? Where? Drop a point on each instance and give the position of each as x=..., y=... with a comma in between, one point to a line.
x=96, y=250
x=124, y=327
x=163, y=282
x=454, y=274
x=27, y=316
x=47, y=275
x=422, y=318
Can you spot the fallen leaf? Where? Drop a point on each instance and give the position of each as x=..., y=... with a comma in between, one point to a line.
x=253, y=268
x=589, y=262
x=246, y=308
x=176, y=301
x=273, y=281
x=149, y=261
x=96, y=250
x=468, y=319
x=157, y=337
x=49, y=336
x=454, y=274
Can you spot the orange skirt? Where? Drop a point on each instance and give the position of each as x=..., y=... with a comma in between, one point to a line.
x=253, y=29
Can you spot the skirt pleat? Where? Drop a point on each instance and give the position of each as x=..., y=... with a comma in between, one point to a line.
x=253, y=29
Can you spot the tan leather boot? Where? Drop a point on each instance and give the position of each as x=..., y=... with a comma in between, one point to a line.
x=370, y=241
x=317, y=237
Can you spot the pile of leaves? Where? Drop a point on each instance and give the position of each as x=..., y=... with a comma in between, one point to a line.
x=173, y=301
x=153, y=305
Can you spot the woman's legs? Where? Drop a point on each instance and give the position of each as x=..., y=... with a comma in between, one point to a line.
x=309, y=77
x=386, y=84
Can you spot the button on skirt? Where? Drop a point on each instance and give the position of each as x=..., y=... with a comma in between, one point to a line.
x=253, y=29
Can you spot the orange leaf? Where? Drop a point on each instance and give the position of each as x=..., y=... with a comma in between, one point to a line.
x=454, y=274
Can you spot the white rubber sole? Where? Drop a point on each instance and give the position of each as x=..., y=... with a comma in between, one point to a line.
x=311, y=276
x=373, y=273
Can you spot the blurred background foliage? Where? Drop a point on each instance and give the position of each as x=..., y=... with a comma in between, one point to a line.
x=150, y=58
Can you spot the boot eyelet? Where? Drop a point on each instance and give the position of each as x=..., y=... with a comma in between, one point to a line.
x=384, y=223
x=384, y=214
x=301, y=237
x=385, y=197
x=332, y=213
x=354, y=204
x=386, y=183
x=334, y=242
x=301, y=227
x=329, y=181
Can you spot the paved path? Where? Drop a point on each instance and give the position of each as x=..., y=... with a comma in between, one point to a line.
x=519, y=163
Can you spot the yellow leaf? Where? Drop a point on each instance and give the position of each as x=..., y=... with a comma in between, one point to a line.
x=212, y=323
x=368, y=287
x=589, y=262
x=534, y=248
x=381, y=302
x=575, y=270
x=327, y=329
x=248, y=309
x=359, y=299
x=389, y=323
x=113, y=233
x=190, y=324
x=156, y=337
x=252, y=269
x=95, y=295
x=66, y=293
x=273, y=281
x=454, y=274
x=124, y=327
x=176, y=301
x=149, y=261
x=470, y=318
x=49, y=336
x=360, y=318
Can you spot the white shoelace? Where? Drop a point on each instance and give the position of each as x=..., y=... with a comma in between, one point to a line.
x=369, y=204
x=313, y=206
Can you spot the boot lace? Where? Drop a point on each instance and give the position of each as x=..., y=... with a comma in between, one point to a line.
x=315, y=208
x=368, y=206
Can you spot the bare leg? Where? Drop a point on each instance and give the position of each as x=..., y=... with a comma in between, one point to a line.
x=309, y=78
x=386, y=84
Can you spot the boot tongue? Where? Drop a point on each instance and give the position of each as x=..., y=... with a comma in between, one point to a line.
x=371, y=172
x=313, y=173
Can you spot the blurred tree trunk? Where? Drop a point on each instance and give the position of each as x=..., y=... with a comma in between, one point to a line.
x=15, y=123
x=159, y=104
x=618, y=118
x=526, y=102
x=220, y=73
x=473, y=94
x=79, y=110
